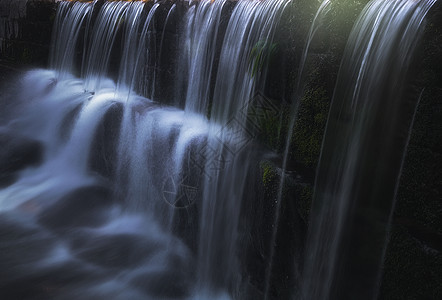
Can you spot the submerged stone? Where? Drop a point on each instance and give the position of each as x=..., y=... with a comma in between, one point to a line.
x=16, y=154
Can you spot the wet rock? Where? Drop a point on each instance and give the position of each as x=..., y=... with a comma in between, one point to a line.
x=22, y=243
x=29, y=266
x=413, y=261
x=85, y=206
x=114, y=251
x=172, y=281
x=52, y=282
x=103, y=156
x=163, y=285
x=17, y=153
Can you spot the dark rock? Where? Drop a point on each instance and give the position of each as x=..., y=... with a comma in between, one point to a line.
x=168, y=281
x=114, y=251
x=104, y=149
x=22, y=243
x=85, y=206
x=17, y=153
x=287, y=232
x=413, y=260
x=32, y=22
x=163, y=285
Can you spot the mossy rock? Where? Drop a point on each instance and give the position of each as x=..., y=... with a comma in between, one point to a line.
x=309, y=129
x=413, y=264
x=412, y=270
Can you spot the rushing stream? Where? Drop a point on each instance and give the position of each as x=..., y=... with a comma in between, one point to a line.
x=111, y=192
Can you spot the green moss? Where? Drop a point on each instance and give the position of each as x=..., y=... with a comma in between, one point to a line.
x=310, y=126
x=305, y=202
x=273, y=128
x=260, y=55
x=269, y=175
x=297, y=193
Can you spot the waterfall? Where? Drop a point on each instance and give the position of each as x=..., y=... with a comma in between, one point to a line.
x=132, y=47
x=201, y=36
x=165, y=159
x=362, y=153
x=251, y=22
x=70, y=16
x=116, y=194
x=102, y=39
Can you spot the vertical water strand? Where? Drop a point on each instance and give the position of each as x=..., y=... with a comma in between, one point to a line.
x=317, y=22
x=103, y=36
x=139, y=80
x=128, y=171
x=130, y=45
x=233, y=65
x=226, y=167
x=129, y=53
x=184, y=57
x=142, y=192
x=158, y=63
x=202, y=39
x=152, y=161
x=62, y=10
x=77, y=150
x=68, y=23
x=362, y=153
x=252, y=24
x=87, y=37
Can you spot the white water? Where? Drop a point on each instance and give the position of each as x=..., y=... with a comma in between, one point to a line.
x=201, y=37
x=68, y=21
x=136, y=200
x=161, y=164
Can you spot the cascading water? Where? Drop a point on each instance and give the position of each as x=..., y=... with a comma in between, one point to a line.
x=126, y=198
x=132, y=46
x=82, y=250
x=362, y=153
x=252, y=22
x=102, y=40
x=317, y=22
x=160, y=163
x=67, y=26
x=203, y=22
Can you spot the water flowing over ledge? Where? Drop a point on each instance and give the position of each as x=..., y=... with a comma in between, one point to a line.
x=142, y=181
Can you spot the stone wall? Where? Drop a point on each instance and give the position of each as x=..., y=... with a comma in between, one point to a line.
x=25, y=31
